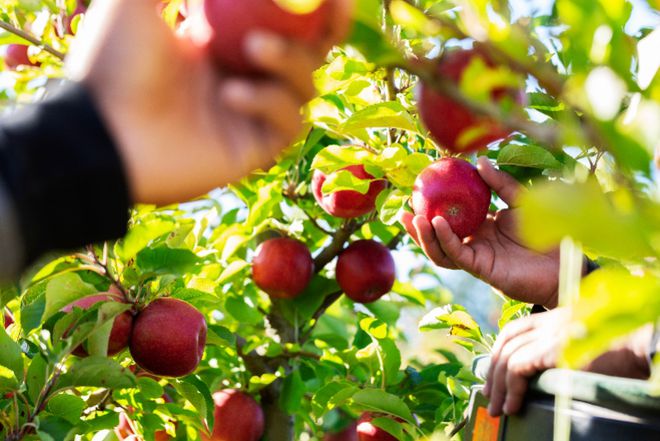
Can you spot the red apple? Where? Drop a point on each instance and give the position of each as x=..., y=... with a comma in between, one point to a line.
x=454, y=126
x=348, y=204
x=8, y=320
x=238, y=417
x=348, y=434
x=368, y=432
x=452, y=188
x=125, y=430
x=282, y=267
x=17, y=55
x=121, y=327
x=366, y=271
x=168, y=338
x=232, y=20
x=80, y=9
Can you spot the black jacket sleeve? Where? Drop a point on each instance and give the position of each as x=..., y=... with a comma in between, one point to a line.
x=62, y=173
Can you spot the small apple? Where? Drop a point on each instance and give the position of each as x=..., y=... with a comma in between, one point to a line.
x=282, y=267
x=121, y=327
x=366, y=271
x=348, y=434
x=452, y=188
x=454, y=126
x=17, y=55
x=348, y=204
x=232, y=20
x=367, y=431
x=9, y=320
x=238, y=417
x=168, y=338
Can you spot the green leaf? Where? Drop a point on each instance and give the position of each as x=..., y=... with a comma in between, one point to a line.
x=345, y=180
x=64, y=290
x=232, y=270
x=585, y=213
x=293, y=392
x=8, y=381
x=36, y=376
x=333, y=394
x=390, y=205
x=66, y=406
x=527, y=156
x=164, y=260
x=97, y=372
x=377, y=400
x=612, y=304
x=336, y=157
x=10, y=354
x=406, y=15
x=243, y=312
x=390, y=115
x=141, y=235
x=150, y=388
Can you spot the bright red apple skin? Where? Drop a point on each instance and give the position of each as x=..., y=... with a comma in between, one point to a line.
x=348, y=434
x=452, y=189
x=348, y=204
x=448, y=120
x=366, y=271
x=121, y=327
x=368, y=432
x=238, y=417
x=282, y=267
x=17, y=55
x=168, y=338
x=233, y=20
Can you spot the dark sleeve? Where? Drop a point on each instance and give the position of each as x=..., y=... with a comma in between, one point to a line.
x=63, y=174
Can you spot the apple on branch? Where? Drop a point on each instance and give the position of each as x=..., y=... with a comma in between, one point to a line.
x=348, y=204
x=168, y=338
x=282, y=267
x=366, y=271
x=238, y=417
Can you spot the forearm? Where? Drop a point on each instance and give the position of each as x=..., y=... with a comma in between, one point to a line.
x=63, y=177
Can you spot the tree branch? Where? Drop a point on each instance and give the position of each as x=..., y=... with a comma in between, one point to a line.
x=335, y=247
x=31, y=38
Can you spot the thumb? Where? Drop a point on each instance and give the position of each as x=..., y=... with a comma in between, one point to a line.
x=506, y=187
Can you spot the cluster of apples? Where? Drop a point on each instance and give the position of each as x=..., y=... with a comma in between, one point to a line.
x=283, y=267
x=165, y=338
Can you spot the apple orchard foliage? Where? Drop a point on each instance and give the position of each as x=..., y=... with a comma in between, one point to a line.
x=585, y=140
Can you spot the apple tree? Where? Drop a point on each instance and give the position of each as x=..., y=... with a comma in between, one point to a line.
x=273, y=308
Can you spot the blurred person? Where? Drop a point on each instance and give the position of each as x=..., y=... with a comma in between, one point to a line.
x=148, y=118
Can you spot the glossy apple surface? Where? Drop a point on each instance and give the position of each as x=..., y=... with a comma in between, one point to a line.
x=452, y=189
x=168, y=338
x=366, y=271
x=348, y=204
x=238, y=417
x=282, y=267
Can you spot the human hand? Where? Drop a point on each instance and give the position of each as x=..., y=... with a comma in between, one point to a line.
x=182, y=127
x=532, y=344
x=494, y=253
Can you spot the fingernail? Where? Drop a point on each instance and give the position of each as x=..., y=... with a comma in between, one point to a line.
x=237, y=90
x=261, y=44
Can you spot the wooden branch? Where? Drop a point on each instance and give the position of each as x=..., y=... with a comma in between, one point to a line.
x=31, y=39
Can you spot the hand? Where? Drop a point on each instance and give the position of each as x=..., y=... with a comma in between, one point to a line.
x=532, y=344
x=184, y=128
x=494, y=253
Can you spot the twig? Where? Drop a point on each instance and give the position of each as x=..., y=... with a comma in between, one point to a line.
x=31, y=38
x=339, y=238
x=104, y=266
x=458, y=427
x=329, y=300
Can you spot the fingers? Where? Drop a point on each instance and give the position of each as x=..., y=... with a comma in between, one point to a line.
x=498, y=380
x=339, y=23
x=452, y=246
x=430, y=244
x=265, y=101
x=509, y=332
x=502, y=183
x=407, y=222
x=292, y=63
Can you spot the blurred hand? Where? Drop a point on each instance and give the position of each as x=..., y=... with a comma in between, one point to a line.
x=532, y=344
x=494, y=253
x=182, y=126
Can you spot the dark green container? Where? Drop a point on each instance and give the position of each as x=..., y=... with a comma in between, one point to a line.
x=602, y=409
